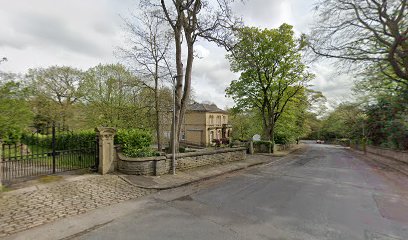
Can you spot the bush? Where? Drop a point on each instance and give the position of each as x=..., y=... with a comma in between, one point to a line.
x=63, y=141
x=225, y=141
x=283, y=139
x=263, y=146
x=217, y=142
x=266, y=143
x=135, y=142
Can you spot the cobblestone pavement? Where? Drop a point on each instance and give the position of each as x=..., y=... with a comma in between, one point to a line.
x=25, y=210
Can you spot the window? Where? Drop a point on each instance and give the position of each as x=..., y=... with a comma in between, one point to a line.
x=211, y=119
x=224, y=120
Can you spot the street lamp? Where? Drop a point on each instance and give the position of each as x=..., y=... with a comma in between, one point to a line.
x=173, y=166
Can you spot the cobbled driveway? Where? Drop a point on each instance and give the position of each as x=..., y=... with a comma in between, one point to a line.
x=25, y=210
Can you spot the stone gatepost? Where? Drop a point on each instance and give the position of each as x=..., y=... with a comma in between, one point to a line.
x=106, y=149
x=251, y=147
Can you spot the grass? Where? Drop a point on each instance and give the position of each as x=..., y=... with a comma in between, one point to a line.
x=49, y=178
x=4, y=189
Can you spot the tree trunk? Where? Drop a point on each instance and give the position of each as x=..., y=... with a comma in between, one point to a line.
x=272, y=133
x=178, y=90
x=273, y=137
x=265, y=125
x=187, y=81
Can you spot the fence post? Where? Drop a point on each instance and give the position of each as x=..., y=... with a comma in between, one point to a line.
x=53, y=145
x=106, y=149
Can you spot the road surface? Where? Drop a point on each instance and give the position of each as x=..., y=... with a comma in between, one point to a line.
x=321, y=192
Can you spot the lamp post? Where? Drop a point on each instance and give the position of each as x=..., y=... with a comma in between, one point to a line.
x=173, y=165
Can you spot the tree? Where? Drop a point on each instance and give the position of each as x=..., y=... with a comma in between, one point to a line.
x=387, y=122
x=189, y=21
x=58, y=88
x=272, y=73
x=244, y=124
x=367, y=32
x=148, y=52
x=345, y=121
x=111, y=97
x=15, y=110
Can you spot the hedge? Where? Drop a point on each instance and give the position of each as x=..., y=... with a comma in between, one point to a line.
x=135, y=142
x=63, y=141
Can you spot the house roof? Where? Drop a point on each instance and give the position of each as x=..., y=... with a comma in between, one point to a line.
x=202, y=107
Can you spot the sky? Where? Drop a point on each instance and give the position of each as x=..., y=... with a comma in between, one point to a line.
x=84, y=33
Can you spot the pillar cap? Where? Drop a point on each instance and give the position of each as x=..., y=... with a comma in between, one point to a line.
x=105, y=130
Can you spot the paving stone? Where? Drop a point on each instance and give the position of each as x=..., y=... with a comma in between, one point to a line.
x=24, y=210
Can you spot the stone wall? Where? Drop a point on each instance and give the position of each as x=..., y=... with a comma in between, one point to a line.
x=385, y=152
x=264, y=148
x=185, y=161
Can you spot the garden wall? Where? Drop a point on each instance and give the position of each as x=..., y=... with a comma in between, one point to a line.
x=264, y=148
x=185, y=161
x=384, y=152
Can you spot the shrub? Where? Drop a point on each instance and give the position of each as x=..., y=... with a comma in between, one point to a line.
x=63, y=141
x=283, y=139
x=217, y=142
x=182, y=149
x=225, y=141
x=135, y=142
x=263, y=146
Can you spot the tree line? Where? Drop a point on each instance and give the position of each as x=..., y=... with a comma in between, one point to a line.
x=104, y=95
x=369, y=40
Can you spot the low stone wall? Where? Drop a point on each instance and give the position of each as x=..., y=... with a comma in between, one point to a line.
x=384, y=152
x=263, y=148
x=185, y=161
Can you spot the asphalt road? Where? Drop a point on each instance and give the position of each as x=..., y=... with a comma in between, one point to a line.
x=321, y=192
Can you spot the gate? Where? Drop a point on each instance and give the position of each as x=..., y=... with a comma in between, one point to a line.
x=48, y=150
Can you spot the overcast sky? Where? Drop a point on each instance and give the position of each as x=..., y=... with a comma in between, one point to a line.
x=84, y=33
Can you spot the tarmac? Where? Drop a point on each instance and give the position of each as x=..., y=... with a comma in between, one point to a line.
x=182, y=178
x=41, y=201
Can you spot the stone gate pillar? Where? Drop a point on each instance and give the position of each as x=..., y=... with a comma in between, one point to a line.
x=106, y=149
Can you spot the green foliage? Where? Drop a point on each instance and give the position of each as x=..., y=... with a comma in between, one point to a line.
x=15, y=111
x=272, y=73
x=63, y=141
x=55, y=92
x=266, y=143
x=346, y=121
x=387, y=123
x=111, y=98
x=244, y=124
x=135, y=142
x=263, y=146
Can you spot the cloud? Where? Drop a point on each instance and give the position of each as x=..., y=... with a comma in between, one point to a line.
x=84, y=33
x=336, y=87
x=49, y=31
x=67, y=32
x=273, y=13
x=213, y=70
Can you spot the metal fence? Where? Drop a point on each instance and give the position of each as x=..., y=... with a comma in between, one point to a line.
x=48, y=150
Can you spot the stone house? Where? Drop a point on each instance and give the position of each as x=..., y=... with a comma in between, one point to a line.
x=203, y=123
